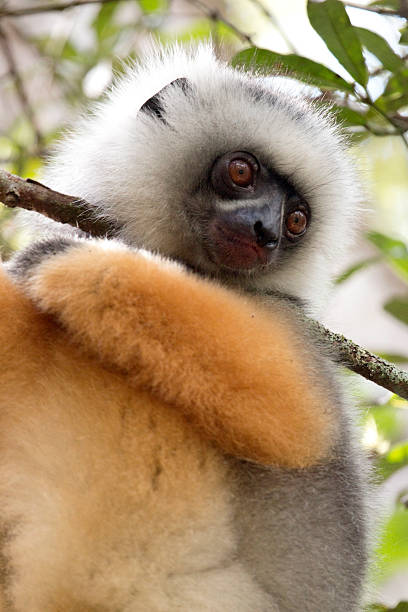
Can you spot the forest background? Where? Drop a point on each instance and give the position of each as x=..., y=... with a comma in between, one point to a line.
x=58, y=57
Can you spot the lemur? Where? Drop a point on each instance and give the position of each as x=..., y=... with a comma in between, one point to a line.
x=173, y=435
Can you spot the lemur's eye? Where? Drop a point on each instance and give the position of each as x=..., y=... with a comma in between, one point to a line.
x=241, y=172
x=234, y=174
x=296, y=223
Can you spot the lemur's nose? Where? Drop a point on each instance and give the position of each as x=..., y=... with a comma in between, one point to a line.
x=246, y=237
x=260, y=225
x=265, y=236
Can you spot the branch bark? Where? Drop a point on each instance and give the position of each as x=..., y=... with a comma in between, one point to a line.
x=369, y=365
x=16, y=192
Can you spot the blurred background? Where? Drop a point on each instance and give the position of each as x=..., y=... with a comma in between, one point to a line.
x=59, y=56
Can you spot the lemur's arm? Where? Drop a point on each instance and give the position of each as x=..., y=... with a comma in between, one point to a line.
x=246, y=377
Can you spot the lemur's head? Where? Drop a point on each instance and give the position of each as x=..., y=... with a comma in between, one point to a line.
x=235, y=175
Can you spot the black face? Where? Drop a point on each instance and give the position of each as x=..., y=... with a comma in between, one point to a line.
x=269, y=216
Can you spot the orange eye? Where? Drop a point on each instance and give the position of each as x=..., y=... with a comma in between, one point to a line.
x=241, y=172
x=296, y=222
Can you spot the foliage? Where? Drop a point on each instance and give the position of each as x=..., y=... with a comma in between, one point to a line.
x=402, y=607
x=115, y=29
x=347, y=43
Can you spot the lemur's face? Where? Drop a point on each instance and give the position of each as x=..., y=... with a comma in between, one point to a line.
x=243, y=216
x=230, y=174
x=255, y=214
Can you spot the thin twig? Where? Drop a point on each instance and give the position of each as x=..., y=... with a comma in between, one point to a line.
x=401, y=12
x=215, y=15
x=276, y=23
x=399, y=130
x=19, y=85
x=48, y=8
x=31, y=195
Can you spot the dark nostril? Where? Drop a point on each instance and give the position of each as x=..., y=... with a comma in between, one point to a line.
x=264, y=237
x=258, y=227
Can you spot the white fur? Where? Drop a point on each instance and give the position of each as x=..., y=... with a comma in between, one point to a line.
x=137, y=168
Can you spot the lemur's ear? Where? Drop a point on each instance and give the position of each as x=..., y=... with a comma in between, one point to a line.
x=154, y=106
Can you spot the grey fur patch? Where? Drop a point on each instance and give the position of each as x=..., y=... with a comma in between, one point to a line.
x=22, y=264
x=260, y=94
x=305, y=541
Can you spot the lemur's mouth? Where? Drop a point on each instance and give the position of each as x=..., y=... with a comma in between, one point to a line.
x=238, y=249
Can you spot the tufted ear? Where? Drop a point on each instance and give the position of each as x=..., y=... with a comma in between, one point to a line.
x=154, y=105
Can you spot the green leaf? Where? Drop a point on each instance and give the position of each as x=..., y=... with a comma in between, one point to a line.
x=389, y=246
x=348, y=116
x=357, y=137
x=387, y=420
x=398, y=454
x=402, y=607
x=395, y=95
x=397, y=84
x=393, y=549
x=398, y=308
x=393, y=357
x=393, y=5
x=392, y=104
x=331, y=22
x=153, y=6
x=381, y=49
x=303, y=68
x=69, y=52
x=7, y=147
x=395, y=251
x=355, y=268
x=201, y=29
x=400, y=265
x=103, y=24
x=22, y=134
x=404, y=36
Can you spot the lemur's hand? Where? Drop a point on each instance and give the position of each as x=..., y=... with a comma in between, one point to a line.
x=247, y=377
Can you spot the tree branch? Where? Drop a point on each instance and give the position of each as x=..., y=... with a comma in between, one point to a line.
x=367, y=364
x=16, y=192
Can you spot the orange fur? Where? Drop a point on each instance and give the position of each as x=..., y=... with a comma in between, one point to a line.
x=235, y=371
x=91, y=471
x=117, y=405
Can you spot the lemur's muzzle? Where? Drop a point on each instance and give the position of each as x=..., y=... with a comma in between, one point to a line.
x=246, y=237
